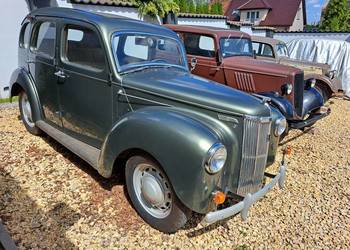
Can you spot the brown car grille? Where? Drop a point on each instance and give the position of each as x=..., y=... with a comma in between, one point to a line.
x=245, y=81
x=254, y=154
x=299, y=93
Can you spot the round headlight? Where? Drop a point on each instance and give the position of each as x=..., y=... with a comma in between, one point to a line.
x=331, y=74
x=280, y=126
x=287, y=89
x=312, y=82
x=216, y=158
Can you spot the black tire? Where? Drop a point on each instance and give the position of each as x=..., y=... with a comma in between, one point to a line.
x=31, y=127
x=178, y=213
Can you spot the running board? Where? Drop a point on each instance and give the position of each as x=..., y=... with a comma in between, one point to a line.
x=85, y=151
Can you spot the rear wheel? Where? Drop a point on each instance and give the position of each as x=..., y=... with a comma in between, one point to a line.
x=152, y=195
x=25, y=109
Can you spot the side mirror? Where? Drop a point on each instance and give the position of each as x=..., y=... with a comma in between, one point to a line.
x=193, y=63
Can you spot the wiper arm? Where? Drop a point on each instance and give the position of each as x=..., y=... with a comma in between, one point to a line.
x=145, y=67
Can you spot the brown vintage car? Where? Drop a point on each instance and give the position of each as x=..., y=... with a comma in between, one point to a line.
x=227, y=57
x=270, y=49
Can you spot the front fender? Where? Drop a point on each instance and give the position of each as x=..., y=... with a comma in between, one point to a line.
x=177, y=141
x=332, y=85
x=20, y=79
x=312, y=101
x=281, y=103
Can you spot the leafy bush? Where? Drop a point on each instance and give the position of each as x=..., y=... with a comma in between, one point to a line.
x=155, y=8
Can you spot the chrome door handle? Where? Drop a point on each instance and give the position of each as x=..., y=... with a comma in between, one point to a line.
x=60, y=74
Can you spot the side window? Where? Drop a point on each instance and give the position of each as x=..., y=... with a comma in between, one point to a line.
x=83, y=48
x=45, y=36
x=199, y=45
x=256, y=48
x=267, y=50
x=24, y=36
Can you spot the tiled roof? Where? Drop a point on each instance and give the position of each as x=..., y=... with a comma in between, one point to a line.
x=281, y=13
x=122, y=3
x=255, y=4
x=201, y=15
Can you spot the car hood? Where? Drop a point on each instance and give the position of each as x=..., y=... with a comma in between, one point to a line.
x=181, y=86
x=250, y=64
x=300, y=63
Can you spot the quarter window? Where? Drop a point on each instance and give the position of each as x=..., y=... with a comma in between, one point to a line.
x=45, y=39
x=24, y=37
x=83, y=48
x=199, y=45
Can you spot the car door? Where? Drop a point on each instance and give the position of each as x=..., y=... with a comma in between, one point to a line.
x=84, y=87
x=42, y=66
x=202, y=50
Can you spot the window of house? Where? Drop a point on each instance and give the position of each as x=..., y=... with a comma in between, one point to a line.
x=257, y=15
x=199, y=45
x=252, y=15
x=248, y=15
x=83, y=48
x=45, y=36
x=24, y=36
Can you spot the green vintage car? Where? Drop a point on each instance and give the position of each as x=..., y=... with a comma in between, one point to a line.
x=118, y=93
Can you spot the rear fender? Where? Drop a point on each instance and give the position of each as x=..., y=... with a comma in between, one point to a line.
x=178, y=142
x=21, y=80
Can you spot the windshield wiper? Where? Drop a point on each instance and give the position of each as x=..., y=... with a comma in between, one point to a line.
x=133, y=70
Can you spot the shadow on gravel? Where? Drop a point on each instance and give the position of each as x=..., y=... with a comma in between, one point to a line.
x=284, y=142
x=29, y=225
x=102, y=189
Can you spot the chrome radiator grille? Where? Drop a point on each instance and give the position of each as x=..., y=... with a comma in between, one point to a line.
x=254, y=154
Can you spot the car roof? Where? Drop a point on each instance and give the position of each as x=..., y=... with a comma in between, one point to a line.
x=106, y=22
x=219, y=32
x=267, y=40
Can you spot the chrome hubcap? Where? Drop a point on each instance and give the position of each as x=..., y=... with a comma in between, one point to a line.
x=27, y=110
x=152, y=190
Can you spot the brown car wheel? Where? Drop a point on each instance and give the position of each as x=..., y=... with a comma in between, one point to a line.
x=153, y=196
x=25, y=109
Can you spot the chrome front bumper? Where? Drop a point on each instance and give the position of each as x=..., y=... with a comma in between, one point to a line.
x=244, y=206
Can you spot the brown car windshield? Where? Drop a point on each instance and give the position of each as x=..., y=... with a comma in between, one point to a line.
x=236, y=46
x=140, y=50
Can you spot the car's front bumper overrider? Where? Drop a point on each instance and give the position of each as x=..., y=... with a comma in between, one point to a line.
x=244, y=206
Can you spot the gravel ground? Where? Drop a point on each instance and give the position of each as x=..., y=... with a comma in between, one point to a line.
x=49, y=198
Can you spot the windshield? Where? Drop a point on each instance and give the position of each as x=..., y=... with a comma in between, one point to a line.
x=134, y=51
x=282, y=50
x=236, y=46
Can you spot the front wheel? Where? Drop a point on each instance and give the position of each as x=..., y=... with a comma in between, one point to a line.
x=153, y=196
x=25, y=109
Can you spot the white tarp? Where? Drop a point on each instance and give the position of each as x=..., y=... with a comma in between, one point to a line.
x=334, y=53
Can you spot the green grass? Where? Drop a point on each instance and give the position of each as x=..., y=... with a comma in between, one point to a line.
x=242, y=247
x=6, y=100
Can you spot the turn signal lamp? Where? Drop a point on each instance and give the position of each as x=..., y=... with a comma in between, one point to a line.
x=219, y=197
x=288, y=150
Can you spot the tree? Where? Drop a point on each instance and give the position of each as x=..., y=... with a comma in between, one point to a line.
x=157, y=7
x=192, y=7
x=336, y=16
x=183, y=6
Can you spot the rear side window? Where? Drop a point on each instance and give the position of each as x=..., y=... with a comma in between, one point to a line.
x=45, y=36
x=83, y=48
x=24, y=36
x=199, y=45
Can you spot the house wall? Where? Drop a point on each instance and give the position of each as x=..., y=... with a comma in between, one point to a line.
x=262, y=15
x=211, y=22
x=298, y=23
x=12, y=14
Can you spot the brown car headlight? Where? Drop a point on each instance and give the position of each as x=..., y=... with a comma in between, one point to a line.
x=216, y=158
x=331, y=74
x=287, y=89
